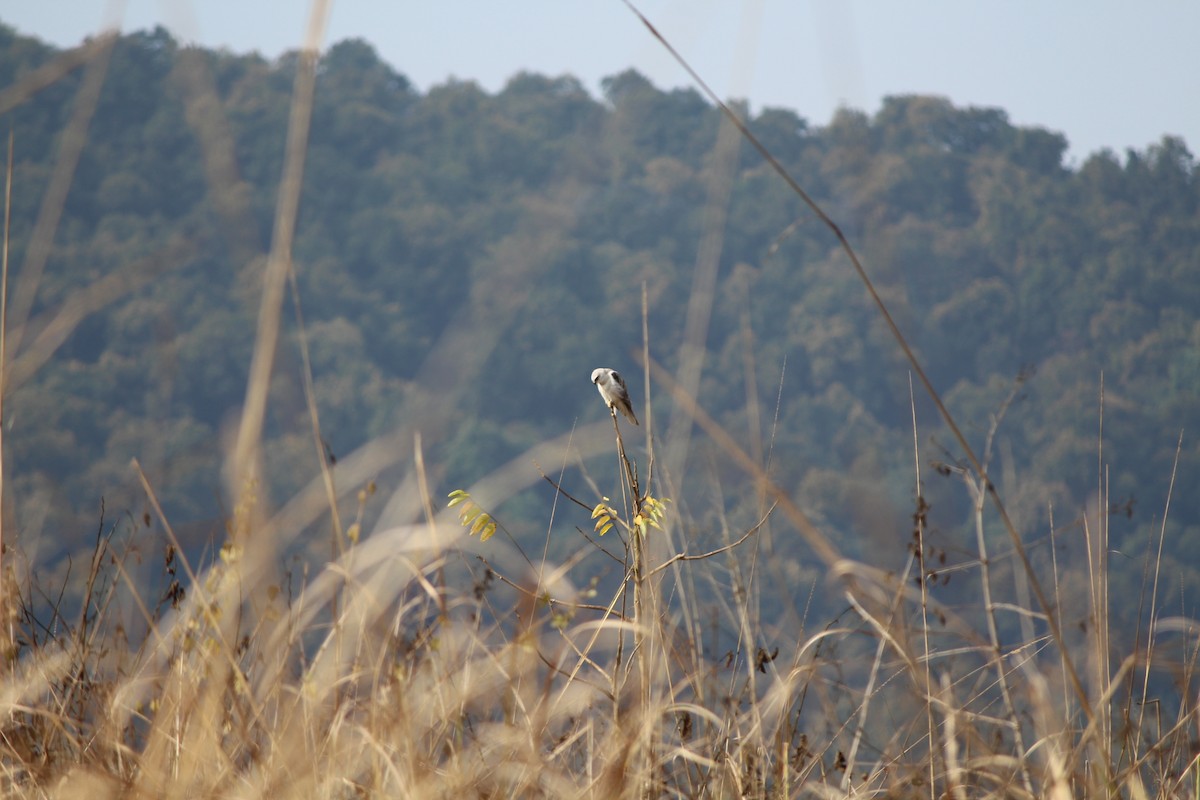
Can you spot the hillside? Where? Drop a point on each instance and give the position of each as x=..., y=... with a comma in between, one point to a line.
x=524, y=214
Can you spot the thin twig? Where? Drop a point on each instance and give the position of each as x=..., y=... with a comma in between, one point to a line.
x=1162, y=534
x=10, y=634
x=70, y=149
x=1043, y=601
x=718, y=551
x=244, y=465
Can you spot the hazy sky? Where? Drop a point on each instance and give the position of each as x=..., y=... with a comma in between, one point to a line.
x=1107, y=73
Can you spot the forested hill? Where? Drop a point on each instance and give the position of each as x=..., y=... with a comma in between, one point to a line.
x=490, y=250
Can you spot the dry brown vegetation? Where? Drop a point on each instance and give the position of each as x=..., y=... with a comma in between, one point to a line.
x=421, y=662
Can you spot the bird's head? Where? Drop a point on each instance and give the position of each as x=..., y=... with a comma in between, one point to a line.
x=597, y=374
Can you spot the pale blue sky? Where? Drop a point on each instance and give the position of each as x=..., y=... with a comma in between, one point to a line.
x=1107, y=73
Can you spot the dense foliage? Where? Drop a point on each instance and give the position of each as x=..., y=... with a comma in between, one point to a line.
x=489, y=250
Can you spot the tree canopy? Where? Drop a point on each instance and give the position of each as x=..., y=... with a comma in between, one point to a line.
x=489, y=250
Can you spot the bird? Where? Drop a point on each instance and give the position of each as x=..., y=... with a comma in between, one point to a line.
x=612, y=388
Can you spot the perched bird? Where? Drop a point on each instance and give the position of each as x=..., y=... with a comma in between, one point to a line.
x=612, y=389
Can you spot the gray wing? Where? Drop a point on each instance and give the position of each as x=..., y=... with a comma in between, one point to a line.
x=621, y=398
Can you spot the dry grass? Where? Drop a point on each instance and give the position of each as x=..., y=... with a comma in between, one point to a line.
x=408, y=666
